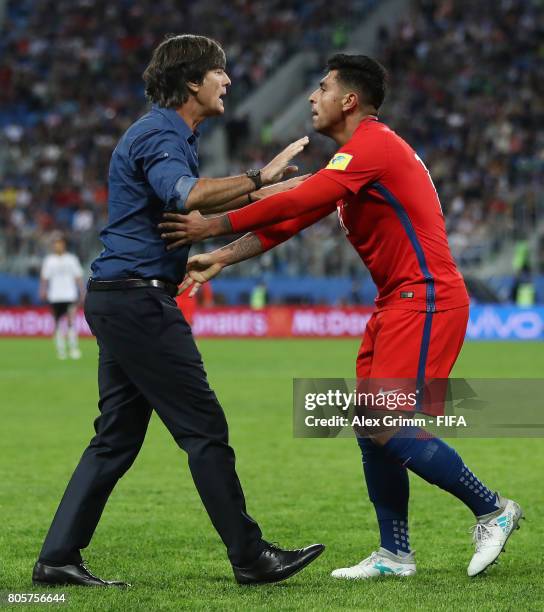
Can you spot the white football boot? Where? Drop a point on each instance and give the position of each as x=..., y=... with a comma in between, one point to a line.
x=380, y=563
x=490, y=535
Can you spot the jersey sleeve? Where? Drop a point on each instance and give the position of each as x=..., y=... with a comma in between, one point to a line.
x=314, y=193
x=164, y=163
x=275, y=234
x=360, y=162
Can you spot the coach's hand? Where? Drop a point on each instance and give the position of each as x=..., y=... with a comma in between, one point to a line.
x=279, y=166
x=178, y=230
x=200, y=269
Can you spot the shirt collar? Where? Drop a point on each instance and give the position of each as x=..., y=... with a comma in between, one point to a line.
x=178, y=123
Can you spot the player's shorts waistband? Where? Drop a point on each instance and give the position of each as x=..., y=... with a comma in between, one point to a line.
x=131, y=283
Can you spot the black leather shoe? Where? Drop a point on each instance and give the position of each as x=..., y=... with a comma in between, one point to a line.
x=79, y=575
x=275, y=564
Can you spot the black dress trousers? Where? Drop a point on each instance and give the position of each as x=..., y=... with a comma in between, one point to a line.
x=148, y=360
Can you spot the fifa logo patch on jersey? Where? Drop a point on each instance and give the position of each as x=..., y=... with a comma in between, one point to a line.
x=339, y=162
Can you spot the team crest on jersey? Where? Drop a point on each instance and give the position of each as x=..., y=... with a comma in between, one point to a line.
x=339, y=162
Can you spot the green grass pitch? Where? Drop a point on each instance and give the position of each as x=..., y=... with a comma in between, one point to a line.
x=155, y=533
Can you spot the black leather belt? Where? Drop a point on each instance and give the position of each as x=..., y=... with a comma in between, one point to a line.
x=131, y=283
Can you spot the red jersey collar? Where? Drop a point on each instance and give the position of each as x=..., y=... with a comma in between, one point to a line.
x=364, y=120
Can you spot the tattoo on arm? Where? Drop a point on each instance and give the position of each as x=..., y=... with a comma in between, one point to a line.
x=219, y=226
x=246, y=247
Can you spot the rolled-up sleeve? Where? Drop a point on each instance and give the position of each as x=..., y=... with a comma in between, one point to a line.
x=163, y=161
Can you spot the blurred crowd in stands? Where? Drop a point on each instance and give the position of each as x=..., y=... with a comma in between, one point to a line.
x=467, y=92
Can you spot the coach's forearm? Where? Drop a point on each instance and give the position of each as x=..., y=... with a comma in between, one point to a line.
x=234, y=204
x=246, y=247
x=209, y=193
x=256, y=195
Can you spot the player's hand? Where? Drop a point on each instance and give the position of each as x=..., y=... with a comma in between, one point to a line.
x=177, y=229
x=200, y=269
x=274, y=170
x=291, y=183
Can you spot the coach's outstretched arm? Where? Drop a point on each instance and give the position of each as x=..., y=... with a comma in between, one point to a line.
x=313, y=194
x=208, y=193
x=256, y=196
x=171, y=177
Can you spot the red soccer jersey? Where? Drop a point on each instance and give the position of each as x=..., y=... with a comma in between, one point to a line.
x=390, y=211
x=393, y=218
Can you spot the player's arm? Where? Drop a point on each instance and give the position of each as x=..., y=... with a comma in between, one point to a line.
x=316, y=192
x=201, y=268
x=275, y=234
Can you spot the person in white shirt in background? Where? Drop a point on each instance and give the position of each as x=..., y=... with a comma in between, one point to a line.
x=61, y=285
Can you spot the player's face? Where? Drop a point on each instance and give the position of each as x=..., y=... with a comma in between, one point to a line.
x=326, y=103
x=59, y=246
x=214, y=86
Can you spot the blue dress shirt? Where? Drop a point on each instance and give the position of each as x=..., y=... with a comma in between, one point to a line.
x=152, y=170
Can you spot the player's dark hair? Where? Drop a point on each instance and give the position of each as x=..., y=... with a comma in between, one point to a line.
x=175, y=62
x=364, y=74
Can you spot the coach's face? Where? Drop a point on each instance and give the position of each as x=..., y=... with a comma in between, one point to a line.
x=327, y=104
x=209, y=94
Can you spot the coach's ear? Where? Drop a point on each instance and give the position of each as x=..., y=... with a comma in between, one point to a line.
x=193, y=87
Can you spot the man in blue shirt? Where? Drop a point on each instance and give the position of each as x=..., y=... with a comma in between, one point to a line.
x=147, y=355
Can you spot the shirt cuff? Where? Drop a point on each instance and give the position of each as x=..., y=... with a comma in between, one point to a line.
x=182, y=189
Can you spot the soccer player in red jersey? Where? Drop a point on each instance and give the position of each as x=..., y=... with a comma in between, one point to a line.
x=390, y=211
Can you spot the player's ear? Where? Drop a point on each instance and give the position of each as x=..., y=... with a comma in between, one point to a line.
x=350, y=101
